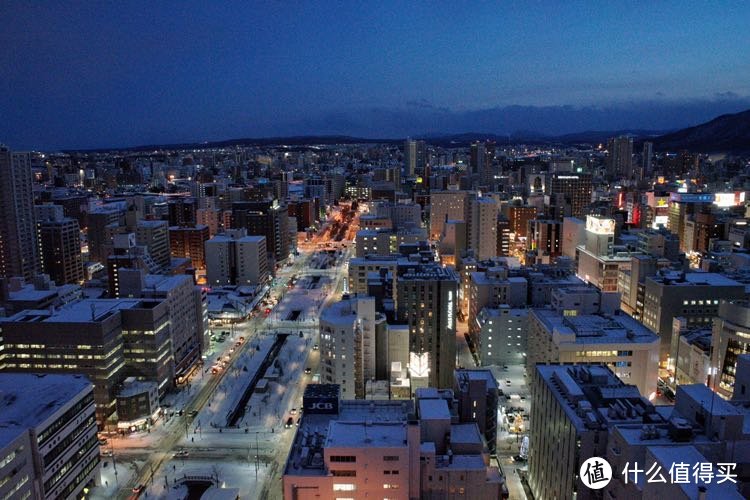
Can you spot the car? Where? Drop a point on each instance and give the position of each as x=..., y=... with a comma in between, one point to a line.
x=293, y=411
x=231, y=350
x=181, y=454
x=308, y=370
x=242, y=339
x=316, y=347
x=507, y=382
x=519, y=458
x=523, y=398
x=297, y=422
x=105, y=453
x=138, y=489
x=289, y=423
x=193, y=413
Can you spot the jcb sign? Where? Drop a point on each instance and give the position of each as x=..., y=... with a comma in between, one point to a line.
x=321, y=405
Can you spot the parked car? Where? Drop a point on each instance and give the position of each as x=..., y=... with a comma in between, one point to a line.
x=289, y=423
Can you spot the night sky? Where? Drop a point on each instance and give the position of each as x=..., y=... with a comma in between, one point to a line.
x=101, y=74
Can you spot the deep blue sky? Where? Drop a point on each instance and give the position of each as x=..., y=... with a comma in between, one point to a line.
x=97, y=74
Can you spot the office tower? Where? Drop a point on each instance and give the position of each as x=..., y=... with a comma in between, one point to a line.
x=620, y=157
x=233, y=258
x=341, y=450
x=544, y=239
x=415, y=158
x=49, y=444
x=427, y=300
x=188, y=317
x=695, y=296
x=59, y=245
x=347, y=344
x=573, y=188
x=576, y=399
x=182, y=212
x=647, y=159
x=503, y=236
x=482, y=228
x=189, y=243
x=19, y=254
x=481, y=157
x=519, y=217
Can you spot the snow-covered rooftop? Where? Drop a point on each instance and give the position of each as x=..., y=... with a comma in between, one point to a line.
x=27, y=400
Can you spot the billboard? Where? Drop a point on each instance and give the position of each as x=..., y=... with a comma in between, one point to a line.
x=600, y=226
x=729, y=199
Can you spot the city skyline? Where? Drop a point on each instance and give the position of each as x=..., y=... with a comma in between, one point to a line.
x=189, y=72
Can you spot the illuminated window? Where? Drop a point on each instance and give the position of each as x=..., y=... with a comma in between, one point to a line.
x=344, y=487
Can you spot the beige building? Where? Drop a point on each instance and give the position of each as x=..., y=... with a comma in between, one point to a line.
x=348, y=344
x=448, y=205
x=629, y=349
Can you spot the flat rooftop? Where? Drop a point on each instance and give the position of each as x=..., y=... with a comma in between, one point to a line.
x=83, y=311
x=27, y=399
x=694, y=279
x=315, y=431
x=597, y=328
x=359, y=434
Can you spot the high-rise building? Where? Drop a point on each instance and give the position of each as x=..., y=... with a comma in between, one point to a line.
x=154, y=235
x=266, y=218
x=59, y=245
x=189, y=243
x=482, y=228
x=620, y=158
x=481, y=158
x=647, y=160
x=19, y=253
x=182, y=212
x=233, y=258
x=519, y=217
x=415, y=158
x=574, y=188
x=427, y=300
x=572, y=397
x=448, y=205
x=49, y=446
x=545, y=239
x=347, y=344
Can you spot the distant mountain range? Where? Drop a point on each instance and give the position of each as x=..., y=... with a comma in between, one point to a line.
x=726, y=133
